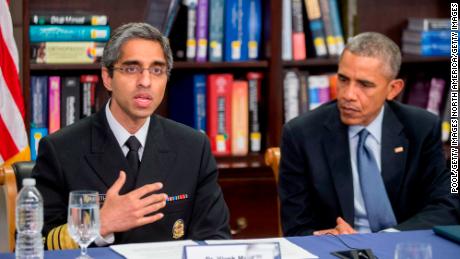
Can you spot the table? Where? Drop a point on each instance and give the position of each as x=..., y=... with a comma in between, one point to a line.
x=382, y=244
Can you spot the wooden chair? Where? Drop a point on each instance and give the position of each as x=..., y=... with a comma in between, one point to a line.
x=10, y=182
x=272, y=159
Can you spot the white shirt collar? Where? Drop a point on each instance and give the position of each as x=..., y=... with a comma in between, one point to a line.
x=121, y=134
x=374, y=128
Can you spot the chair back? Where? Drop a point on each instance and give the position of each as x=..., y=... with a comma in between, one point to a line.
x=10, y=182
x=272, y=159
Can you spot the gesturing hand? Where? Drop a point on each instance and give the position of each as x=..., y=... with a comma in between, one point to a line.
x=124, y=212
x=342, y=228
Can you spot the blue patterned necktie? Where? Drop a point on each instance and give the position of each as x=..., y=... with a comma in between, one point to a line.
x=378, y=207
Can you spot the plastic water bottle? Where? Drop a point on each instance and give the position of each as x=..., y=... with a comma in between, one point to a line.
x=29, y=221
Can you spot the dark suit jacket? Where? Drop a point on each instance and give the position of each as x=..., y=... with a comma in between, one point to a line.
x=316, y=184
x=86, y=155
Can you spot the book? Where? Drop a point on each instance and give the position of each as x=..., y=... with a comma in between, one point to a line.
x=291, y=85
x=303, y=92
x=286, y=31
x=202, y=31
x=435, y=95
x=54, y=93
x=426, y=24
x=191, y=27
x=427, y=37
x=70, y=101
x=240, y=120
x=39, y=99
x=418, y=91
x=254, y=29
x=178, y=35
x=336, y=26
x=317, y=27
x=42, y=33
x=187, y=101
x=66, y=52
x=298, y=35
x=236, y=30
x=157, y=13
x=36, y=134
x=216, y=30
x=318, y=90
x=328, y=28
x=255, y=115
x=68, y=19
x=219, y=125
x=88, y=94
x=426, y=49
x=171, y=17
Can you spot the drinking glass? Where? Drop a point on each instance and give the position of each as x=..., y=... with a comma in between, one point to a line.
x=83, y=219
x=413, y=250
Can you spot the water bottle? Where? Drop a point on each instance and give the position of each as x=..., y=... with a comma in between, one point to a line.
x=29, y=221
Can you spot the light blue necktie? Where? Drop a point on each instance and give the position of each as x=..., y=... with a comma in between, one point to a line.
x=378, y=207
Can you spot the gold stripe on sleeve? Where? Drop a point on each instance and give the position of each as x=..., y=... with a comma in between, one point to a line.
x=66, y=240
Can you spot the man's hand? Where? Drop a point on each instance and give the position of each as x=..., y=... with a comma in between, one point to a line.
x=342, y=228
x=124, y=212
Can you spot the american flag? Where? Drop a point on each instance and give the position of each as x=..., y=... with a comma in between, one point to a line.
x=13, y=136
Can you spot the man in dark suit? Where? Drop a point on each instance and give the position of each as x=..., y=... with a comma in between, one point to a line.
x=157, y=178
x=365, y=163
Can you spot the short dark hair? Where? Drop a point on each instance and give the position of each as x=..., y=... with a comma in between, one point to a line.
x=376, y=45
x=130, y=31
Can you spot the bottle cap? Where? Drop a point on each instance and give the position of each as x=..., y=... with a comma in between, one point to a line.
x=28, y=182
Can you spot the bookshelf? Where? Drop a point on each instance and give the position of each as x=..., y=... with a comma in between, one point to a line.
x=248, y=185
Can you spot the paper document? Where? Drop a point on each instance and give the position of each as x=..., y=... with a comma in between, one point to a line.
x=164, y=250
x=288, y=249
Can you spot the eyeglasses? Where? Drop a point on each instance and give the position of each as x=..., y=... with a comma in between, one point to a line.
x=138, y=70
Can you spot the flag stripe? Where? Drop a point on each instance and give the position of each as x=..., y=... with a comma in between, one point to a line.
x=8, y=147
x=11, y=75
x=6, y=26
x=12, y=117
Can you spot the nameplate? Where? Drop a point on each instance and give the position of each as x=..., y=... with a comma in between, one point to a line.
x=233, y=251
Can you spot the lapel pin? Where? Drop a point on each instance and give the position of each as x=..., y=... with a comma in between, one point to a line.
x=398, y=149
x=177, y=198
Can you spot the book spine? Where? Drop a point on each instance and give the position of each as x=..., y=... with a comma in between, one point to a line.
x=255, y=29
x=303, y=92
x=41, y=33
x=191, y=27
x=235, y=49
x=200, y=102
x=299, y=50
x=427, y=37
x=216, y=30
x=286, y=41
x=39, y=94
x=70, y=101
x=316, y=27
x=239, y=117
x=219, y=109
x=202, y=31
x=68, y=19
x=54, y=104
x=328, y=28
x=291, y=95
x=66, y=52
x=336, y=25
x=254, y=96
x=435, y=95
x=36, y=133
x=88, y=94
x=172, y=14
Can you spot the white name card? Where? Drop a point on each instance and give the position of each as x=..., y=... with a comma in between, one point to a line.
x=233, y=251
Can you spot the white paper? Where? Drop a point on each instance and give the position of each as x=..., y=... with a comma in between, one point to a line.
x=288, y=249
x=259, y=251
x=164, y=250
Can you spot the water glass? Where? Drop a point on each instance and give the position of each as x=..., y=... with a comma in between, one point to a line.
x=83, y=219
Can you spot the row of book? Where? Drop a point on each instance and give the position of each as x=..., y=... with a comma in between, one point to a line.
x=427, y=37
x=311, y=21
x=227, y=109
x=217, y=30
x=304, y=92
x=67, y=38
x=57, y=102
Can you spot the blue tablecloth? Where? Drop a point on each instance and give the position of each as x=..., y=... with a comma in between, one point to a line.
x=382, y=244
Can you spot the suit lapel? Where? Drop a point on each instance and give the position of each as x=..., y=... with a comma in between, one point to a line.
x=106, y=157
x=157, y=157
x=395, y=146
x=336, y=147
